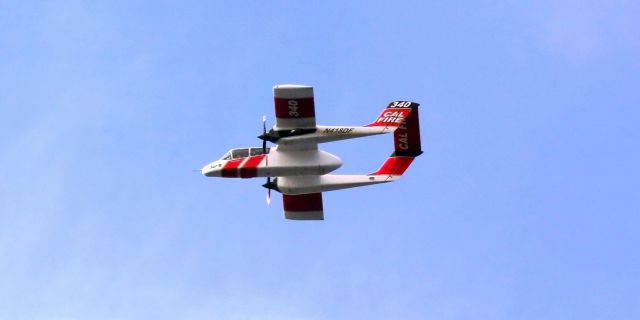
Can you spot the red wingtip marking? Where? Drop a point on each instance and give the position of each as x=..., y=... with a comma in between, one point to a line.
x=295, y=108
x=302, y=202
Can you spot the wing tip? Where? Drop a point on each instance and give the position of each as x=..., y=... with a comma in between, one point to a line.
x=293, y=91
x=304, y=215
x=291, y=86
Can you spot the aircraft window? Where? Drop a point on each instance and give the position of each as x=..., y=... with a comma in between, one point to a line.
x=240, y=153
x=258, y=151
x=227, y=156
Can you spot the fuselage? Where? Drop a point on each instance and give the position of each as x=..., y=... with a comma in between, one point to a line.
x=253, y=163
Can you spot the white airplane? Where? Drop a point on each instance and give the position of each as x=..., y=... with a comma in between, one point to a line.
x=300, y=168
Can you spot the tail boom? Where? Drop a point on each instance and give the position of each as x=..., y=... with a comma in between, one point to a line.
x=329, y=182
x=390, y=120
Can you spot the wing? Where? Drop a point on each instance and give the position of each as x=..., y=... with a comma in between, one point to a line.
x=303, y=206
x=294, y=107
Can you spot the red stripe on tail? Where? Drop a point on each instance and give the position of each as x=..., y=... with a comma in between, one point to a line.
x=391, y=117
x=395, y=166
x=406, y=139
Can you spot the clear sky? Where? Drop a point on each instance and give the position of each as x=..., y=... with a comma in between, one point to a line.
x=525, y=204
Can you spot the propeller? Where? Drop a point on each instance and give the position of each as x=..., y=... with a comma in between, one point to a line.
x=264, y=151
x=268, y=191
x=270, y=185
x=264, y=134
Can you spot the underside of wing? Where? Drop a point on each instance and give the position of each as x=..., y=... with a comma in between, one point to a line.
x=294, y=107
x=303, y=206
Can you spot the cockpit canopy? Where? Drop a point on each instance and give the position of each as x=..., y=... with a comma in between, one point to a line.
x=243, y=153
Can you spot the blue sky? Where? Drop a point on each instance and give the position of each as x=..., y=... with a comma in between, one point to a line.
x=523, y=206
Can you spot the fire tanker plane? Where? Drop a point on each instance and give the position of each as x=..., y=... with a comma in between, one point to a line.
x=300, y=169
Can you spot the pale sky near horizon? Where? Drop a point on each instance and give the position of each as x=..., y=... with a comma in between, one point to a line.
x=524, y=205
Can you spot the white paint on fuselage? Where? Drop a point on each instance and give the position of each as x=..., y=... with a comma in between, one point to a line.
x=298, y=162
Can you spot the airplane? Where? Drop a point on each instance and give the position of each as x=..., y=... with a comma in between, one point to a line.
x=301, y=170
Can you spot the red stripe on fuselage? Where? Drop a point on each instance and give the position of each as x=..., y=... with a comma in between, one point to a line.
x=250, y=167
x=230, y=169
x=295, y=108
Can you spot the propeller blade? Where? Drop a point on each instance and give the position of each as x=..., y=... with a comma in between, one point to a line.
x=268, y=191
x=264, y=132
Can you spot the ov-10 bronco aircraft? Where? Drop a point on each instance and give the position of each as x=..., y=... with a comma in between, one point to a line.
x=300, y=168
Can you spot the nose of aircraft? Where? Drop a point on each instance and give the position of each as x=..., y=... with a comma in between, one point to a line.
x=212, y=169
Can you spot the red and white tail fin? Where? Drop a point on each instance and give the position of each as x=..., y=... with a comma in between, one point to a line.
x=406, y=142
x=393, y=115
